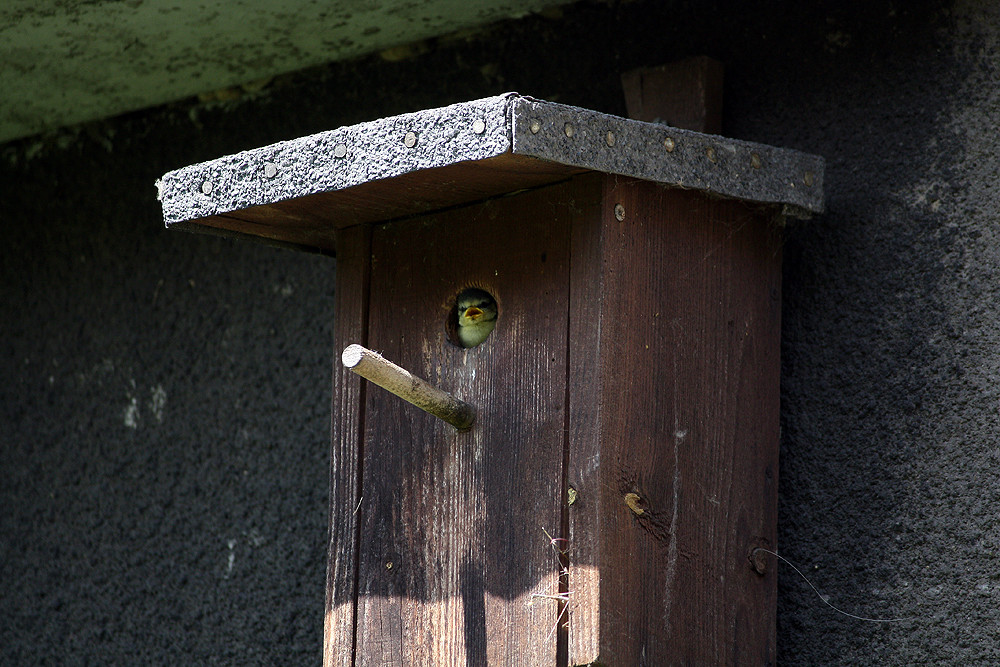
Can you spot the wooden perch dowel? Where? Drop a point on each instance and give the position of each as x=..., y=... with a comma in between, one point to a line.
x=375, y=368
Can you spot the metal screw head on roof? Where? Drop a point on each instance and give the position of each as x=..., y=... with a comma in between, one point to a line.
x=479, y=126
x=609, y=139
x=340, y=150
x=669, y=144
x=410, y=140
x=569, y=130
x=206, y=187
x=270, y=170
x=755, y=160
x=535, y=126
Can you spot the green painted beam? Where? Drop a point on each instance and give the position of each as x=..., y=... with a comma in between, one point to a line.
x=69, y=61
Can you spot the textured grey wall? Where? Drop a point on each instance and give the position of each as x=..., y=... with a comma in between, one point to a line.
x=164, y=404
x=891, y=364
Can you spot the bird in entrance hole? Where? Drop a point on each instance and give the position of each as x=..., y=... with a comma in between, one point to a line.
x=477, y=315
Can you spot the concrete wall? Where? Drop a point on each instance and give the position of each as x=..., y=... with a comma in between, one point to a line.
x=164, y=405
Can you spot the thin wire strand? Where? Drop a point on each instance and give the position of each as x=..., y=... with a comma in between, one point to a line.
x=820, y=596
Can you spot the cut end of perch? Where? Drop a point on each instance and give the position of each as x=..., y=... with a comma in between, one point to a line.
x=352, y=355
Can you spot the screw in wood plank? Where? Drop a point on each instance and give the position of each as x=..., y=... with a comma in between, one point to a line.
x=479, y=126
x=669, y=144
x=755, y=160
x=410, y=140
x=634, y=502
x=206, y=187
x=609, y=139
x=270, y=170
x=340, y=150
x=619, y=212
x=571, y=495
x=569, y=129
x=758, y=561
x=388, y=565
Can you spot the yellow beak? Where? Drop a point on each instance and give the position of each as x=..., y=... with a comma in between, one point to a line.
x=473, y=313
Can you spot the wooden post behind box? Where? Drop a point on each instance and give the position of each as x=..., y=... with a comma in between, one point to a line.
x=622, y=467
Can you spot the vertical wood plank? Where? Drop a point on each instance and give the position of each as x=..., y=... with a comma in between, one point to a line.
x=583, y=465
x=456, y=565
x=685, y=94
x=350, y=326
x=687, y=405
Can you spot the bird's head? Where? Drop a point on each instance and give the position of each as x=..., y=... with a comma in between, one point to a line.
x=476, y=312
x=475, y=307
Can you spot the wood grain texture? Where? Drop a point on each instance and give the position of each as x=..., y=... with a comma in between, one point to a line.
x=454, y=538
x=350, y=325
x=397, y=380
x=684, y=295
x=645, y=351
x=685, y=94
x=583, y=463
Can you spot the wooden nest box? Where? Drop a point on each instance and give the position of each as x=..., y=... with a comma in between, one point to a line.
x=621, y=470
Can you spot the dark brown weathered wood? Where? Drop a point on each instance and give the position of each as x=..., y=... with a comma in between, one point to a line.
x=456, y=562
x=583, y=462
x=685, y=94
x=672, y=314
x=627, y=401
x=686, y=414
x=397, y=380
x=350, y=324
